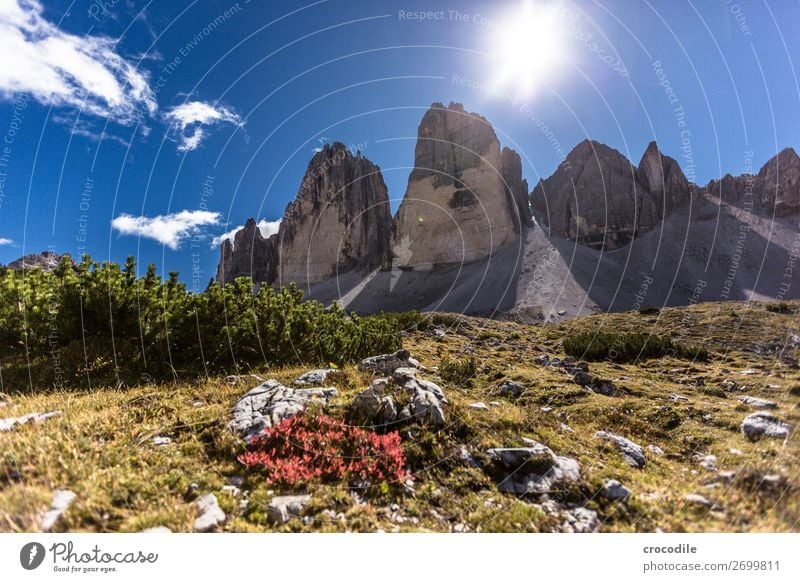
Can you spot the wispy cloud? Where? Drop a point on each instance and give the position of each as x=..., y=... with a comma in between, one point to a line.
x=168, y=229
x=267, y=228
x=187, y=121
x=62, y=69
x=6, y=242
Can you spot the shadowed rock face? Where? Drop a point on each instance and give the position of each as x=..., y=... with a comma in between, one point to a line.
x=250, y=255
x=776, y=187
x=339, y=221
x=516, y=186
x=664, y=179
x=457, y=206
x=596, y=198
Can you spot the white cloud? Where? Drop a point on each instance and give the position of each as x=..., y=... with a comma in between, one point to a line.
x=67, y=70
x=169, y=229
x=6, y=242
x=267, y=228
x=187, y=121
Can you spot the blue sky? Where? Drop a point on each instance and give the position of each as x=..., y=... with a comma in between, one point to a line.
x=152, y=128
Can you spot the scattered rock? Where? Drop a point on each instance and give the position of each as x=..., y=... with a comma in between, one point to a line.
x=697, y=499
x=270, y=403
x=62, y=499
x=583, y=378
x=615, y=491
x=283, y=508
x=678, y=398
x=510, y=389
x=6, y=424
x=604, y=387
x=566, y=428
x=764, y=424
x=381, y=403
x=479, y=406
x=543, y=360
x=632, y=453
x=655, y=449
x=534, y=469
x=708, y=462
x=728, y=385
x=319, y=377
x=761, y=403
x=211, y=515
x=580, y=520
x=388, y=363
x=161, y=441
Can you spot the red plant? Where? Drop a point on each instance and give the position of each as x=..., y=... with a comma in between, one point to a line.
x=308, y=448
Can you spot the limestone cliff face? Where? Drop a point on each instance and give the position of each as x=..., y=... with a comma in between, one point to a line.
x=596, y=198
x=663, y=178
x=46, y=260
x=517, y=187
x=339, y=221
x=249, y=255
x=456, y=206
x=776, y=187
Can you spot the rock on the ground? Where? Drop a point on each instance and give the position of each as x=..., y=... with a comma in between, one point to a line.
x=708, y=462
x=510, y=389
x=380, y=404
x=62, y=499
x=319, y=377
x=6, y=424
x=270, y=403
x=656, y=450
x=388, y=363
x=283, y=508
x=615, y=491
x=533, y=469
x=697, y=499
x=604, y=387
x=479, y=406
x=761, y=403
x=632, y=453
x=764, y=424
x=580, y=520
x=210, y=513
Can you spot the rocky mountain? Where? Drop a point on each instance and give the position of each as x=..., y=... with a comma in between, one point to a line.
x=776, y=187
x=598, y=198
x=464, y=199
x=249, y=255
x=339, y=221
x=46, y=260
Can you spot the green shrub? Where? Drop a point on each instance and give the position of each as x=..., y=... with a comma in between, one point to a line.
x=649, y=310
x=100, y=323
x=459, y=372
x=779, y=307
x=627, y=347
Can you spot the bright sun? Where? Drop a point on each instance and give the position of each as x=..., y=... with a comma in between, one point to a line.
x=528, y=45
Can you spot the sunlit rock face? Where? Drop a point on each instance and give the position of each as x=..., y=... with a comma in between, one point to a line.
x=598, y=198
x=339, y=221
x=774, y=190
x=462, y=202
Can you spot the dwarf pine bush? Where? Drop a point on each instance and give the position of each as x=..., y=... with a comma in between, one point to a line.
x=101, y=320
x=627, y=347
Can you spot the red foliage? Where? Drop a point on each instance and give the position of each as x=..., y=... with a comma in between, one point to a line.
x=319, y=448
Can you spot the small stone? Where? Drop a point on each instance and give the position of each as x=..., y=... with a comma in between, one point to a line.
x=632, y=453
x=580, y=520
x=562, y=311
x=161, y=441
x=708, y=462
x=697, y=499
x=479, y=406
x=583, y=378
x=546, y=409
x=62, y=499
x=211, y=515
x=235, y=480
x=615, y=491
x=283, y=508
x=6, y=424
x=748, y=372
x=760, y=403
x=566, y=428
x=542, y=360
x=388, y=363
x=678, y=398
x=764, y=424
x=319, y=377
x=510, y=389
x=604, y=387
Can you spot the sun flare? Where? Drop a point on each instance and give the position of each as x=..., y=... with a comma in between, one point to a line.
x=527, y=47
